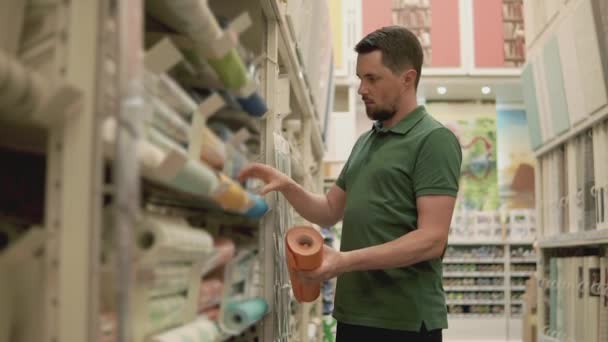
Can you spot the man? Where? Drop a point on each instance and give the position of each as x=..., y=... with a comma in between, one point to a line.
x=396, y=196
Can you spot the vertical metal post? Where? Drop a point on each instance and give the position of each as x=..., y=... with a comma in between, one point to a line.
x=81, y=175
x=126, y=167
x=269, y=127
x=54, y=161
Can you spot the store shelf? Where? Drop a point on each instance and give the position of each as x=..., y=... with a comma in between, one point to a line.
x=475, y=302
x=590, y=121
x=545, y=338
x=23, y=137
x=474, y=243
x=524, y=260
x=518, y=288
x=589, y=238
x=473, y=288
x=517, y=302
x=522, y=274
x=188, y=205
x=520, y=242
x=473, y=274
x=475, y=316
x=473, y=261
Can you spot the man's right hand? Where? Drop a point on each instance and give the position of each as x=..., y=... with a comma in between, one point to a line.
x=274, y=179
x=324, y=210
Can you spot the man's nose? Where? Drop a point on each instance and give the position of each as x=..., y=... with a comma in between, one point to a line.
x=362, y=89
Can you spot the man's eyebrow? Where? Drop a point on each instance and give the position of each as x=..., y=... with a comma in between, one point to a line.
x=367, y=75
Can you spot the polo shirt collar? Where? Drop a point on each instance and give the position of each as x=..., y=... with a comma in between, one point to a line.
x=405, y=125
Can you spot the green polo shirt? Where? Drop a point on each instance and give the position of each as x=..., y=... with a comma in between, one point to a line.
x=385, y=173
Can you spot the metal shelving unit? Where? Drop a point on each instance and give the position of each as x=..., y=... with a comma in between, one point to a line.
x=568, y=198
x=101, y=58
x=504, y=325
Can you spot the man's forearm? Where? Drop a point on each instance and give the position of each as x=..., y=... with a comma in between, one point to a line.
x=312, y=207
x=417, y=246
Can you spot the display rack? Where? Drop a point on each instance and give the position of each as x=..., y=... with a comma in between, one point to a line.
x=416, y=15
x=513, y=27
x=486, y=264
x=113, y=127
x=485, y=282
x=567, y=102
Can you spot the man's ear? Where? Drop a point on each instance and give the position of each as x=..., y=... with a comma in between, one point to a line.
x=409, y=78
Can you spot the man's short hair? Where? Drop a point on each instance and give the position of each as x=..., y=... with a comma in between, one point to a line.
x=400, y=48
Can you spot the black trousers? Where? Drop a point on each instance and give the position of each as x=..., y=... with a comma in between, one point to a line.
x=355, y=333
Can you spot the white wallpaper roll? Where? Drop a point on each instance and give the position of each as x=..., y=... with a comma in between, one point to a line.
x=165, y=312
x=201, y=330
x=170, y=279
x=171, y=239
x=173, y=95
x=191, y=17
x=168, y=121
x=22, y=91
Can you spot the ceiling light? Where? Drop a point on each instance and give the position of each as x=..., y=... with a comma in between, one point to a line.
x=442, y=90
x=486, y=90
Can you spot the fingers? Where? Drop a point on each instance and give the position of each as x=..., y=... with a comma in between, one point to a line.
x=253, y=170
x=268, y=188
x=309, y=277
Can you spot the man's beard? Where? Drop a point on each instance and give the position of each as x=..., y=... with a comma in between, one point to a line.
x=381, y=114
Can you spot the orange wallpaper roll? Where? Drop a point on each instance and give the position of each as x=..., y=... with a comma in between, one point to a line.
x=304, y=251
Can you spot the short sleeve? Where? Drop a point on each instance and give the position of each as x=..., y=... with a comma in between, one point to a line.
x=341, y=181
x=437, y=167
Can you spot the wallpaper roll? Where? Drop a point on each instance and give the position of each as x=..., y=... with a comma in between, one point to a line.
x=161, y=140
x=168, y=121
x=165, y=312
x=212, y=314
x=254, y=104
x=170, y=279
x=175, y=96
x=196, y=178
x=213, y=151
x=258, y=207
x=22, y=92
x=195, y=19
x=234, y=160
x=210, y=294
x=231, y=196
x=237, y=316
x=304, y=252
x=204, y=29
x=230, y=70
x=201, y=330
x=172, y=240
x=226, y=251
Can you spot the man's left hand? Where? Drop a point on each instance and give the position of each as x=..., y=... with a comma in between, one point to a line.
x=334, y=264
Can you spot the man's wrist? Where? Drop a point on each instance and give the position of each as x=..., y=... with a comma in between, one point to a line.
x=347, y=261
x=289, y=186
